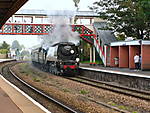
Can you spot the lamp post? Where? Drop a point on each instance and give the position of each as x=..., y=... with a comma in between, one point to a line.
x=76, y=3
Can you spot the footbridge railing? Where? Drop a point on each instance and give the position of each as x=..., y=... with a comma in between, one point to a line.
x=43, y=29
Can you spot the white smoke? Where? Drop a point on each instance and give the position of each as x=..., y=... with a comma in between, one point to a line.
x=62, y=32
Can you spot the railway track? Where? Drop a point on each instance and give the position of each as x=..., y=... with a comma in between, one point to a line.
x=110, y=87
x=27, y=88
x=144, y=95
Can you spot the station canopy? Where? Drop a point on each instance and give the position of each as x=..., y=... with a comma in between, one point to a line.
x=8, y=8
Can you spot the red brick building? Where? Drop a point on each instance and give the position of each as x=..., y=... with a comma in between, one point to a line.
x=125, y=51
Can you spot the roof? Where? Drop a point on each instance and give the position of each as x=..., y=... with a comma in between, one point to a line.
x=132, y=42
x=105, y=35
x=56, y=12
x=8, y=8
x=86, y=14
x=45, y=12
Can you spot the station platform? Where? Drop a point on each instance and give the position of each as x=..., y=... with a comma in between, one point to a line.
x=13, y=100
x=122, y=71
x=5, y=60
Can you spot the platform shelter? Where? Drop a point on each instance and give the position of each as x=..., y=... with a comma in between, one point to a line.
x=122, y=53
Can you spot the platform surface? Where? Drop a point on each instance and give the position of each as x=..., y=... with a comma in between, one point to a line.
x=7, y=105
x=12, y=101
x=4, y=60
x=125, y=71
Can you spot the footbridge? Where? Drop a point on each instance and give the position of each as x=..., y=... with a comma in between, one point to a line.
x=43, y=29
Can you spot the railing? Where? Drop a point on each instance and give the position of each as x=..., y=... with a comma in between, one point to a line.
x=26, y=29
x=44, y=29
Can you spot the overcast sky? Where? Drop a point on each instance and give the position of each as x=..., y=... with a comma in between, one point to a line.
x=30, y=40
x=57, y=4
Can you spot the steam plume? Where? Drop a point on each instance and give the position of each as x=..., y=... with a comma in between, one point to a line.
x=62, y=32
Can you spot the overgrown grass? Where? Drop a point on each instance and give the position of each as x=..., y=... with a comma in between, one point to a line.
x=119, y=106
x=134, y=112
x=66, y=90
x=27, y=70
x=36, y=79
x=122, y=107
x=83, y=92
x=97, y=62
x=112, y=103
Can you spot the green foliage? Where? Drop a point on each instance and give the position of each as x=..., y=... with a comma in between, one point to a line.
x=122, y=107
x=120, y=36
x=36, y=79
x=25, y=53
x=85, y=61
x=66, y=90
x=134, y=112
x=4, y=45
x=4, y=51
x=85, y=54
x=88, y=62
x=128, y=16
x=16, y=45
x=112, y=103
x=4, y=48
x=84, y=92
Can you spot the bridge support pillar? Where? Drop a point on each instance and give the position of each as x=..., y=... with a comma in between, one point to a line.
x=93, y=54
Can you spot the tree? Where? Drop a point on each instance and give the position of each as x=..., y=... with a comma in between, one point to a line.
x=25, y=53
x=128, y=16
x=4, y=45
x=4, y=48
x=22, y=46
x=16, y=45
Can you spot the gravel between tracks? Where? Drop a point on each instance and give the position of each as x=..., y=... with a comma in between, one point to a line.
x=76, y=94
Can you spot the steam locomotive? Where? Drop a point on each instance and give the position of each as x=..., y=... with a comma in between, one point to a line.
x=59, y=59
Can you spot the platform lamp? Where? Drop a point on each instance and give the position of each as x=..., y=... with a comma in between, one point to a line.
x=76, y=2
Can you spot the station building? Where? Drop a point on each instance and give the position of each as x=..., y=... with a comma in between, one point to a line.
x=122, y=54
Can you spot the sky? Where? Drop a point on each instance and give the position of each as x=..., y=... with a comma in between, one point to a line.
x=29, y=40
x=57, y=4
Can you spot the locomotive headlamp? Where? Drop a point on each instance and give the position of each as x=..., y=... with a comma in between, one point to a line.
x=77, y=59
x=72, y=51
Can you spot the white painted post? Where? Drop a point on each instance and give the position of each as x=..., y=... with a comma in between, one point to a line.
x=105, y=53
x=90, y=54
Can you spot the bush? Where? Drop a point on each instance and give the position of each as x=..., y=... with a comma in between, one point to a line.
x=3, y=51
